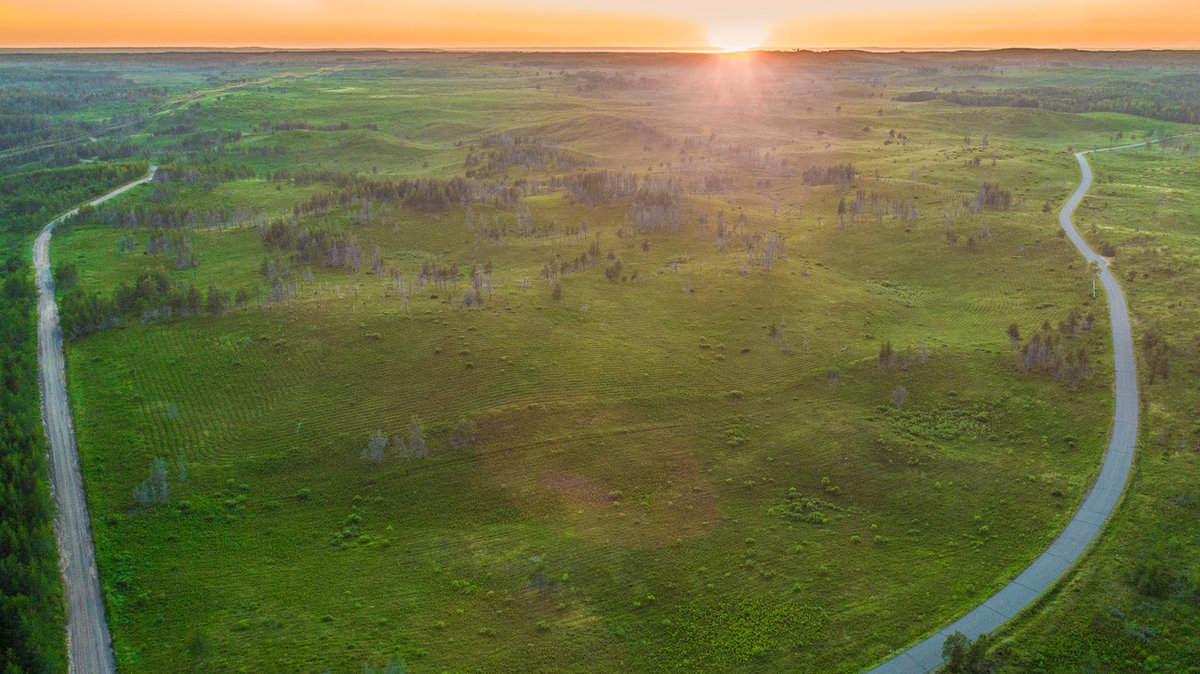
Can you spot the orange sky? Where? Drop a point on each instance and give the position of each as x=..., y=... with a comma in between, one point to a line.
x=611, y=23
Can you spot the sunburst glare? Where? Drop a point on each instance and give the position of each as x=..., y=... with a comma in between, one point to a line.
x=737, y=36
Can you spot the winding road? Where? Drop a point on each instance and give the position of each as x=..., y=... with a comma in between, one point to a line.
x=89, y=645
x=1101, y=500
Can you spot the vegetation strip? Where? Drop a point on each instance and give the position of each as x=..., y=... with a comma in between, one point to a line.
x=1091, y=516
x=89, y=643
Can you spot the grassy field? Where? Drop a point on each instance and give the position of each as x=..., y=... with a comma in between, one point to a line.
x=700, y=461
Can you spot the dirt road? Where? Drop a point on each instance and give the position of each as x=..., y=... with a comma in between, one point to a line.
x=88, y=643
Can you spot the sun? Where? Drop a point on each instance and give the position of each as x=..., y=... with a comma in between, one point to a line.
x=737, y=36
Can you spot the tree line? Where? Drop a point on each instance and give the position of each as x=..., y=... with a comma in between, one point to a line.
x=31, y=619
x=150, y=296
x=838, y=174
x=1173, y=98
x=279, y=125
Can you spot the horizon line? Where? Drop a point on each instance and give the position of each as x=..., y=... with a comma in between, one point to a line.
x=577, y=50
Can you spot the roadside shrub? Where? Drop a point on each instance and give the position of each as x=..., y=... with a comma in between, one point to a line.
x=1151, y=577
x=964, y=656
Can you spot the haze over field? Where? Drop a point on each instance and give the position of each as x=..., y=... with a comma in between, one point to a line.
x=626, y=24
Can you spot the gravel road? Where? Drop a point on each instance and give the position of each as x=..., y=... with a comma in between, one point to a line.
x=1106, y=492
x=88, y=642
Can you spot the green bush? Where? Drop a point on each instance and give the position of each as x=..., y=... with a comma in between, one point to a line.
x=1151, y=577
x=964, y=656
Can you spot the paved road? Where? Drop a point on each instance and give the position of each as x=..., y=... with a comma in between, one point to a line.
x=88, y=643
x=1074, y=540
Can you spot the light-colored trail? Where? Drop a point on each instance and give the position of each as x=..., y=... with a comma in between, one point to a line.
x=1101, y=500
x=173, y=104
x=89, y=647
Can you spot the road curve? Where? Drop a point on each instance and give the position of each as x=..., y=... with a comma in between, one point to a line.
x=89, y=646
x=1101, y=500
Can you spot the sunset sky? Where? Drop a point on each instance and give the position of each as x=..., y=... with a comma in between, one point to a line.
x=681, y=24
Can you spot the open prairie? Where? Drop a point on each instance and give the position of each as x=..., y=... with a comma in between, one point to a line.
x=545, y=362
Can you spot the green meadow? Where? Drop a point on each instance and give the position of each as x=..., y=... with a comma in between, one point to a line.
x=551, y=362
